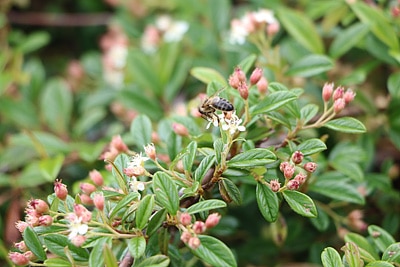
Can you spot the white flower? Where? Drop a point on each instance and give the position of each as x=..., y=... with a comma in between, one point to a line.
x=173, y=30
x=136, y=185
x=137, y=161
x=264, y=15
x=77, y=227
x=233, y=124
x=238, y=32
x=118, y=55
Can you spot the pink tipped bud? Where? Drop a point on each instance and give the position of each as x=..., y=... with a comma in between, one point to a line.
x=199, y=227
x=349, y=96
x=150, y=151
x=86, y=200
x=256, y=76
x=185, y=237
x=21, y=246
x=339, y=105
x=60, y=190
x=293, y=185
x=194, y=242
x=310, y=166
x=355, y=220
x=262, y=85
x=98, y=200
x=45, y=220
x=81, y=211
x=273, y=29
x=180, y=129
x=297, y=157
x=185, y=219
x=39, y=205
x=96, y=177
x=155, y=138
x=240, y=75
x=234, y=81
x=244, y=91
x=275, y=185
x=132, y=171
x=288, y=171
x=18, y=258
x=301, y=178
x=87, y=188
x=21, y=226
x=29, y=255
x=118, y=144
x=283, y=165
x=327, y=91
x=338, y=93
x=78, y=240
x=212, y=220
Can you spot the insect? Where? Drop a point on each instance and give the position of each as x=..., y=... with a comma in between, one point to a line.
x=212, y=104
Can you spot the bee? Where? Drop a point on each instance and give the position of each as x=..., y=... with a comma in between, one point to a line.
x=212, y=104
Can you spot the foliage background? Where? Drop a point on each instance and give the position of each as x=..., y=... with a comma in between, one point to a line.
x=37, y=147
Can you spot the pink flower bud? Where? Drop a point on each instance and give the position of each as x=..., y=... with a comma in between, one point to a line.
x=185, y=237
x=240, y=75
x=185, y=219
x=87, y=188
x=338, y=93
x=283, y=165
x=349, y=96
x=310, y=166
x=60, y=190
x=327, y=91
x=18, y=258
x=98, y=200
x=180, y=129
x=234, y=81
x=194, y=242
x=273, y=29
x=244, y=91
x=293, y=185
x=288, y=171
x=212, y=220
x=301, y=178
x=45, y=220
x=150, y=151
x=339, y=105
x=118, y=144
x=275, y=185
x=256, y=76
x=29, y=255
x=96, y=177
x=297, y=157
x=21, y=246
x=86, y=200
x=133, y=171
x=262, y=85
x=81, y=211
x=199, y=227
x=78, y=240
x=395, y=10
x=39, y=205
x=21, y=226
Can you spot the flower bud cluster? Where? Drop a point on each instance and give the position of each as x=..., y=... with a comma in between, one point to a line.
x=191, y=231
x=238, y=81
x=355, y=220
x=339, y=96
x=116, y=147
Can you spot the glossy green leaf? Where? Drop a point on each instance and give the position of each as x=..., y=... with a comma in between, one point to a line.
x=273, y=101
x=144, y=211
x=392, y=253
x=141, y=130
x=251, y=158
x=203, y=168
x=231, y=190
x=57, y=262
x=96, y=257
x=156, y=221
x=109, y=258
x=166, y=192
x=349, y=168
x=155, y=261
x=379, y=264
x=302, y=29
x=207, y=75
x=367, y=252
x=218, y=148
x=352, y=255
x=348, y=39
x=209, y=204
x=124, y=203
x=393, y=85
x=267, y=201
x=137, y=246
x=300, y=203
x=308, y=112
x=331, y=258
x=311, y=146
x=346, y=125
x=57, y=244
x=33, y=243
x=214, y=252
x=310, y=65
x=381, y=237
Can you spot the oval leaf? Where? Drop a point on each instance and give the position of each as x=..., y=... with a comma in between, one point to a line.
x=124, y=203
x=347, y=39
x=205, y=205
x=137, y=246
x=381, y=237
x=204, y=166
x=57, y=244
x=366, y=250
x=156, y=221
x=166, y=192
x=231, y=190
x=207, y=75
x=141, y=130
x=214, y=252
x=33, y=243
x=339, y=190
x=273, y=101
x=155, y=261
x=267, y=201
x=346, y=125
x=331, y=258
x=311, y=146
x=392, y=253
x=251, y=158
x=300, y=203
x=144, y=211
x=310, y=65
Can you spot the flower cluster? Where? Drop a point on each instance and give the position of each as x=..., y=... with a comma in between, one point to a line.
x=190, y=231
x=261, y=21
x=78, y=224
x=339, y=97
x=165, y=29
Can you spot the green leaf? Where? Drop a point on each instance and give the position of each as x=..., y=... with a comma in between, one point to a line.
x=190, y=154
x=381, y=237
x=50, y=167
x=331, y=258
x=156, y=221
x=34, y=41
x=247, y=63
x=124, y=203
x=302, y=29
x=337, y=189
x=367, y=252
x=56, y=105
x=133, y=97
x=203, y=168
x=347, y=39
x=392, y=253
x=57, y=244
x=141, y=130
x=352, y=255
x=308, y=112
x=109, y=258
x=379, y=264
x=96, y=257
x=321, y=222
x=311, y=146
x=349, y=168
x=310, y=65
x=33, y=243
x=214, y=252
x=58, y=262
x=166, y=192
x=155, y=261
x=251, y=158
x=393, y=85
x=300, y=203
x=273, y=101
x=209, y=204
x=218, y=148
x=144, y=211
x=208, y=75
x=119, y=165
x=346, y=125
x=267, y=202
x=137, y=246
x=231, y=190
